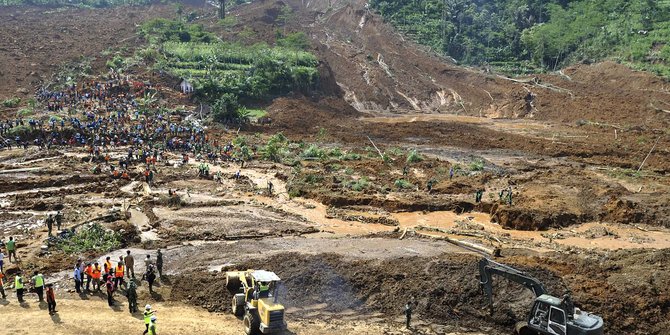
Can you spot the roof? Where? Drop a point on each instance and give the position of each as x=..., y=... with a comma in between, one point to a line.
x=264, y=276
x=549, y=300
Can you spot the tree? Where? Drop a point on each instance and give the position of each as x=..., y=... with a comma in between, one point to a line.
x=227, y=110
x=222, y=9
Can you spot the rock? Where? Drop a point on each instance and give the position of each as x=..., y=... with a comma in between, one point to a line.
x=22, y=90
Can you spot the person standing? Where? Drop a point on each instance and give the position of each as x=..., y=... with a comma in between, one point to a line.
x=51, y=299
x=118, y=275
x=96, y=274
x=147, y=262
x=408, y=314
x=50, y=223
x=130, y=264
x=11, y=249
x=110, y=291
x=77, y=277
x=152, y=325
x=132, y=297
x=88, y=271
x=19, y=286
x=150, y=276
x=108, y=266
x=159, y=263
x=2, y=286
x=59, y=220
x=148, y=314
x=2, y=257
x=38, y=285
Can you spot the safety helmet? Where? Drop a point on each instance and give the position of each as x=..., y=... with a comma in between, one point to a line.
x=154, y=318
x=147, y=307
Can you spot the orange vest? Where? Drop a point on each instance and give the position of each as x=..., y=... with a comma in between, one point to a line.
x=124, y=175
x=89, y=271
x=95, y=273
x=1, y=276
x=119, y=271
x=146, y=173
x=116, y=173
x=108, y=266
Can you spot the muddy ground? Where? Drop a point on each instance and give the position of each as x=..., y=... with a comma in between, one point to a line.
x=584, y=220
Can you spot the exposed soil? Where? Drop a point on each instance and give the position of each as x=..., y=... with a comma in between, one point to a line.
x=583, y=218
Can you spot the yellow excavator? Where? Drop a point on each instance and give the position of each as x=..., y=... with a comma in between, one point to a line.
x=255, y=299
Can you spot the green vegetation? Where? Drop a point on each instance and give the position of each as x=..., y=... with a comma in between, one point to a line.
x=92, y=238
x=313, y=152
x=477, y=165
x=359, y=185
x=228, y=75
x=77, y=3
x=403, y=184
x=529, y=35
x=414, y=157
x=298, y=41
x=12, y=102
x=164, y=30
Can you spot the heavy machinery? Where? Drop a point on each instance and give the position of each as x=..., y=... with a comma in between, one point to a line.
x=549, y=315
x=255, y=299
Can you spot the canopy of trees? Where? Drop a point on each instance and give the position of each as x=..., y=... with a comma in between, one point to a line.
x=543, y=33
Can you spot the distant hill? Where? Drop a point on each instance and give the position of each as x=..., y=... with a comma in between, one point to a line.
x=531, y=35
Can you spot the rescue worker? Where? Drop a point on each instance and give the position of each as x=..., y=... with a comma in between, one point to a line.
x=152, y=325
x=132, y=297
x=77, y=278
x=408, y=313
x=148, y=314
x=59, y=220
x=2, y=286
x=130, y=264
x=159, y=262
x=108, y=265
x=88, y=271
x=11, y=249
x=118, y=275
x=96, y=274
x=110, y=291
x=51, y=299
x=38, y=285
x=19, y=286
x=50, y=223
x=150, y=277
x=264, y=290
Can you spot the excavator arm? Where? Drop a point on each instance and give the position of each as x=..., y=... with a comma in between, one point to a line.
x=488, y=268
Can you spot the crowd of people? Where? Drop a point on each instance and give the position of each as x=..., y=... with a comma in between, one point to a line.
x=115, y=113
x=89, y=277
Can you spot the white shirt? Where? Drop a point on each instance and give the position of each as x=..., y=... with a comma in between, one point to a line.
x=2, y=256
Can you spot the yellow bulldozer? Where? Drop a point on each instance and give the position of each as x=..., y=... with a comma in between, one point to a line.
x=255, y=299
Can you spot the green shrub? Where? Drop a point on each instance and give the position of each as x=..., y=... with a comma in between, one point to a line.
x=117, y=62
x=313, y=178
x=360, y=184
x=24, y=112
x=92, y=238
x=477, y=165
x=414, y=157
x=403, y=184
x=12, y=102
x=313, y=152
x=351, y=156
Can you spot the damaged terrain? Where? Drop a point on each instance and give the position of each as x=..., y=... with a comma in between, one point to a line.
x=385, y=185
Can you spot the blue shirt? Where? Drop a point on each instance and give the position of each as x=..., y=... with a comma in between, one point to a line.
x=77, y=273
